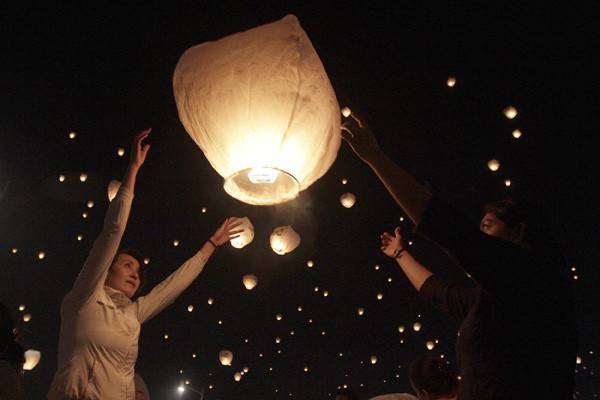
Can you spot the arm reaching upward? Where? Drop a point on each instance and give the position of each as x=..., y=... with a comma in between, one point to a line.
x=408, y=193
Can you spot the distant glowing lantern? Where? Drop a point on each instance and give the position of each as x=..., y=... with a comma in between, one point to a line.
x=305, y=369
x=277, y=340
x=299, y=308
x=79, y=237
x=120, y=152
x=379, y=296
x=190, y=308
x=279, y=317
x=72, y=135
x=146, y=261
x=344, y=181
x=417, y=326
x=430, y=345
x=310, y=263
x=284, y=240
x=41, y=255
x=250, y=281
x=84, y=215
x=451, y=81
x=401, y=329
x=32, y=358
x=493, y=165
x=260, y=106
x=373, y=359
x=22, y=307
x=204, y=209
x=346, y=112
x=246, y=369
x=113, y=188
x=237, y=377
x=507, y=182
x=14, y=250
x=90, y=204
x=348, y=200
x=226, y=357
x=246, y=237
x=83, y=177
x=360, y=311
x=61, y=178
x=325, y=293
x=517, y=133
x=166, y=336
x=510, y=112
x=27, y=317
x=210, y=301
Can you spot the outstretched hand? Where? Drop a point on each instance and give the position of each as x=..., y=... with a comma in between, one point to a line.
x=391, y=243
x=227, y=231
x=139, y=150
x=359, y=136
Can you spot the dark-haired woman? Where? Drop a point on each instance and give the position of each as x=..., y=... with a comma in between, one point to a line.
x=517, y=336
x=100, y=324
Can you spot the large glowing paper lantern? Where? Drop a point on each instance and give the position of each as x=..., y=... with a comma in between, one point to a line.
x=32, y=358
x=250, y=281
x=226, y=357
x=284, y=239
x=260, y=106
x=113, y=188
x=246, y=237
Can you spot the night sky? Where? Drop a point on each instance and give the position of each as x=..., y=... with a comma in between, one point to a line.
x=105, y=71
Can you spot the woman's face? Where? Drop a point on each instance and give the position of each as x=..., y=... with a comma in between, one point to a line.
x=124, y=275
x=491, y=225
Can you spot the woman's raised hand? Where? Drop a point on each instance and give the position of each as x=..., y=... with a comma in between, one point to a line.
x=390, y=244
x=139, y=150
x=227, y=231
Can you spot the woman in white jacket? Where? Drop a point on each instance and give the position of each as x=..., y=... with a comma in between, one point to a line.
x=100, y=324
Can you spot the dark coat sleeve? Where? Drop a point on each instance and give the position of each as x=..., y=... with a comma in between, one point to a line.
x=455, y=300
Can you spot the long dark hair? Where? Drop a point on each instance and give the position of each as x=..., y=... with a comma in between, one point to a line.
x=434, y=375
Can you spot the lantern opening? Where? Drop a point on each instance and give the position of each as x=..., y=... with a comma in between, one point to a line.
x=262, y=186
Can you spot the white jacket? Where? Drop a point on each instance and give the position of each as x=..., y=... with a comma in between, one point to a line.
x=100, y=326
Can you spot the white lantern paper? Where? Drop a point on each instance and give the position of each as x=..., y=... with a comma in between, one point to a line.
x=32, y=358
x=260, y=106
x=237, y=376
x=284, y=239
x=250, y=281
x=113, y=188
x=226, y=357
x=348, y=200
x=494, y=165
x=246, y=237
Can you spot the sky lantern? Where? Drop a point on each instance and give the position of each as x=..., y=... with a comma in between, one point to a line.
x=517, y=133
x=348, y=200
x=401, y=328
x=226, y=357
x=32, y=358
x=451, y=81
x=113, y=188
x=120, y=152
x=284, y=239
x=250, y=281
x=83, y=177
x=310, y=263
x=430, y=345
x=417, y=326
x=260, y=106
x=27, y=317
x=237, y=377
x=346, y=112
x=246, y=237
x=360, y=311
x=510, y=112
x=493, y=165
x=373, y=360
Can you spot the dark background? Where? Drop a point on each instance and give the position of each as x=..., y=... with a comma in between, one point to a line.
x=104, y=70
